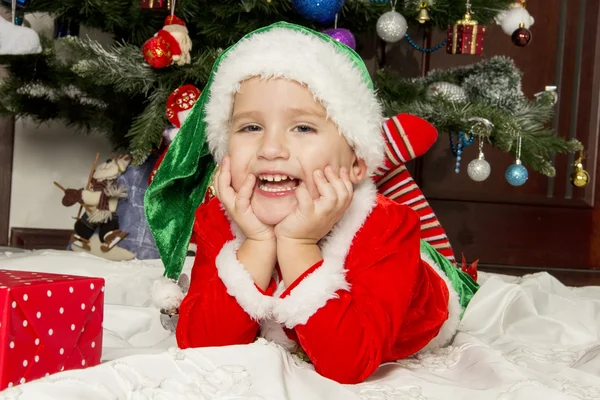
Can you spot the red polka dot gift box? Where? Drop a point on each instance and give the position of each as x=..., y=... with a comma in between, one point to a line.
x=48, y=323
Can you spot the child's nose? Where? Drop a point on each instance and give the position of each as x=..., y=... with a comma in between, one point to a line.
x=273, y=145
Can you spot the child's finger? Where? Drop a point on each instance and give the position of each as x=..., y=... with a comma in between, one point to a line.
x=306, y=205
x=345, y=177
x=338, y=185
x=328, y=198
x=224, y=190
x=245, y=192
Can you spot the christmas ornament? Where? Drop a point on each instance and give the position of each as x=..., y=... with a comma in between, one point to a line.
x=179, y=106
x=322, y=11
x=510, y=20
x=579, y=177
x=424, y=49
x=517, y=174
x=522, y=36
x=180, y=103
x=479, y=169
x=157, y=52
x=170, y=45
x=342, y=35
x=155, y=5
x=391, y=26
x=466, y=36
x=423, y=15
x=18, y=40
x=463, y=140
x=65, y=27
x=447, y=91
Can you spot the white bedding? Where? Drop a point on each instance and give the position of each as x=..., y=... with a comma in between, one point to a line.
x=520, y=338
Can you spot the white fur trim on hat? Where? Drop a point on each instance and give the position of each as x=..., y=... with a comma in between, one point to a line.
x=329, y=74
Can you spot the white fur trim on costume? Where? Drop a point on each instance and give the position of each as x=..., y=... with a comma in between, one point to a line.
x=239, y=282
x=166, y=294
x=273, y=332
x=450, y=326
x=316, y=289
x=328, y=73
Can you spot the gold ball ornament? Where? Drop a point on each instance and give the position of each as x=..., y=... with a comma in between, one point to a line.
x=579, y=178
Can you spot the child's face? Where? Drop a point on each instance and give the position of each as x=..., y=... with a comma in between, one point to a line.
x=279, y=133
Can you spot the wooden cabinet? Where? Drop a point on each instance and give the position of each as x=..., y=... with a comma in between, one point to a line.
x=546, y=223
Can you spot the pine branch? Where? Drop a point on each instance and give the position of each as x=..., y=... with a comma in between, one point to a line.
x=146, y=130
x=121, y=67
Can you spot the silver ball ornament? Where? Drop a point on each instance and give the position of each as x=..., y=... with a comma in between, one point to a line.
x=447, y=91
x=479, y=169
x=391, y=26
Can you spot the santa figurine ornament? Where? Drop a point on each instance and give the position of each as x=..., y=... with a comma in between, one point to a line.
x=170, y=45
x=100, y=199
x=516, y=22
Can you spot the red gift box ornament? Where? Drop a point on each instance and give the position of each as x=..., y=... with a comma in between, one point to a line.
x=466, y=36
x=48, y=323
x=156, y=4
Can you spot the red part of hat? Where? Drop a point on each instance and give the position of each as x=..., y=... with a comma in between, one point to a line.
x=181, y=99
x=173, y=43
x=174, y=20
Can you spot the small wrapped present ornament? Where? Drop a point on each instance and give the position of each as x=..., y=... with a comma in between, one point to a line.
x=466, y=36
x=156, y=5
x=48, y=323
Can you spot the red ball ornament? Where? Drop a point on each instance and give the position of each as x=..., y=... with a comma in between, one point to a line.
x=157, y=52
x=522, y=36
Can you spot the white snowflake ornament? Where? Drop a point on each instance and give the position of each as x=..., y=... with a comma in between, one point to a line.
x=18, y=40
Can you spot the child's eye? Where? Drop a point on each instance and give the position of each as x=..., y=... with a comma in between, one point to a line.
x=250, y=128
x=304, y=129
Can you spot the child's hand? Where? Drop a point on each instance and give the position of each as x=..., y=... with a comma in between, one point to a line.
x=238, y=204
x=313, y=219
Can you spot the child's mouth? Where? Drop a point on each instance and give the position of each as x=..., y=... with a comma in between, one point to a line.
x=277, y=183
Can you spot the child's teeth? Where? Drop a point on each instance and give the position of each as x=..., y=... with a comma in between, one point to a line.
x=276, y=189
x=277, y=178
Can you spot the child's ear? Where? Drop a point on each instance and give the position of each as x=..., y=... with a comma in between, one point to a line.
x=358, y=171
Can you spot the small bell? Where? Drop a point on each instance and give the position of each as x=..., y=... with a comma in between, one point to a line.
x=579, y=177
x=423, y=15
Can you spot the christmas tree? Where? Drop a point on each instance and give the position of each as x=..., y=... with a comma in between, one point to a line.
x=117, y=92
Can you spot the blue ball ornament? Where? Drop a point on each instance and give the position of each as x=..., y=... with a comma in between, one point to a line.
x=322, y=11
x=516, y=174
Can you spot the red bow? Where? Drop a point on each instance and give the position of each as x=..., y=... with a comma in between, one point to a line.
x=471, y=269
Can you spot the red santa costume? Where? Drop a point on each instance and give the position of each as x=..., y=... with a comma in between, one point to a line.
x=379, y=294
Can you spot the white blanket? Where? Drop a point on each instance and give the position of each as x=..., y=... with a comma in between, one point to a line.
x=521, y=338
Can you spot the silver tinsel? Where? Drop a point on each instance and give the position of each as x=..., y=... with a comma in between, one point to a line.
x=391, y=26
x=447, y=91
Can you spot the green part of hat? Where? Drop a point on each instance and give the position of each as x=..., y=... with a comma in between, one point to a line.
x=184, y=175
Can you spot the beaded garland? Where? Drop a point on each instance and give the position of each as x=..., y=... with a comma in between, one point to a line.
x=423, y=49
x=457, y=149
